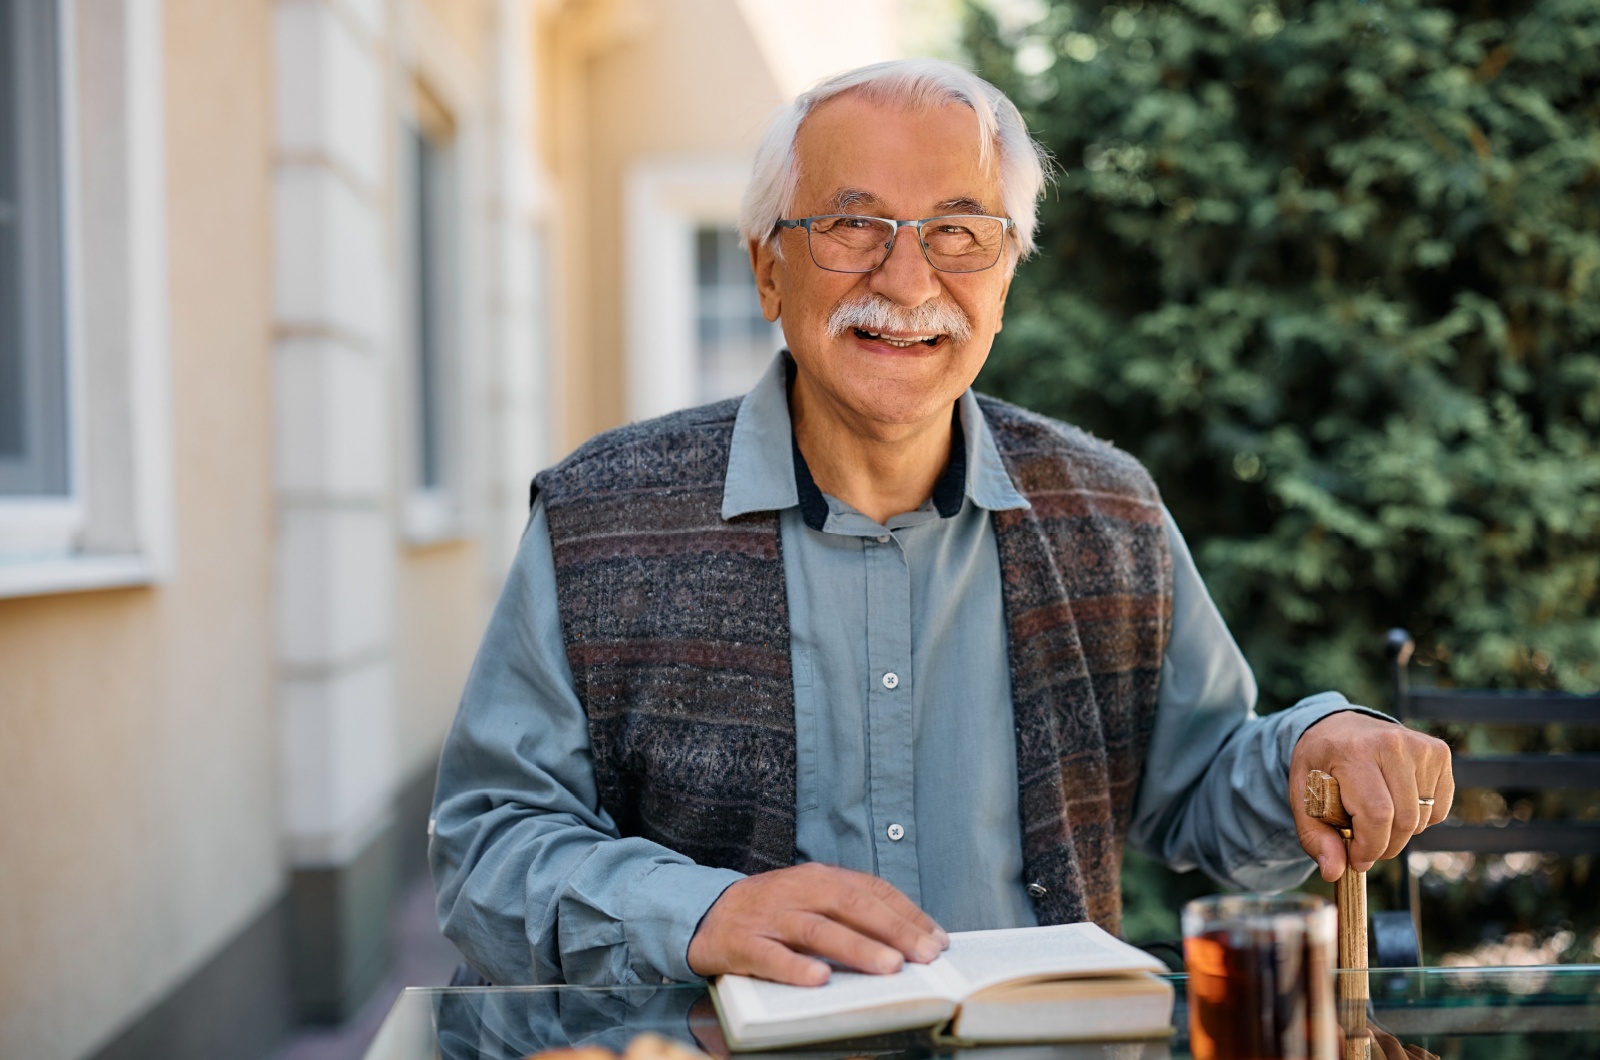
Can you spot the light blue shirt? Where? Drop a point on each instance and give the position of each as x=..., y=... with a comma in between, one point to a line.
x=906, y=761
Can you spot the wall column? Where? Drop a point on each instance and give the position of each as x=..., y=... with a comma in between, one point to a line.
x=336, y=552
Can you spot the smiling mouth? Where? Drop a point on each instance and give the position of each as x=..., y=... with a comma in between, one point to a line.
x=901, y=342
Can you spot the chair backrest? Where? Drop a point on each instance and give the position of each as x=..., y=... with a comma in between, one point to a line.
x=1542, y=772
x=1396, y=933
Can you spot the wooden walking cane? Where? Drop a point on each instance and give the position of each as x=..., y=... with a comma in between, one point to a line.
x=1324, y=804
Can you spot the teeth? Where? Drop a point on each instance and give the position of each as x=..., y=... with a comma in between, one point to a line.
x=901, y=343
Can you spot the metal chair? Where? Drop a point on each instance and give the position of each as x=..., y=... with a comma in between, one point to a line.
x=1396, y=933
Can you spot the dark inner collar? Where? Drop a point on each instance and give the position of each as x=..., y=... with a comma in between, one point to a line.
x=948, y=492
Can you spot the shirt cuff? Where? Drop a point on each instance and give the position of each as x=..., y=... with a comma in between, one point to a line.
x=662, y=912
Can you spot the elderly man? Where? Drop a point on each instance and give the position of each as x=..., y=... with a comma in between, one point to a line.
x=819, y=674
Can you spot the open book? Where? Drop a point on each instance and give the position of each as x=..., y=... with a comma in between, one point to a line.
x=1062, y=983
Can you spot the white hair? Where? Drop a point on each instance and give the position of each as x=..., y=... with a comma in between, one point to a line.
x=912, y=83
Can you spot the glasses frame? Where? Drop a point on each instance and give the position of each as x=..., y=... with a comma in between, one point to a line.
x=1006, y=223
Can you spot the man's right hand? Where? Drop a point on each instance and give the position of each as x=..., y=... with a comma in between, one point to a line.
x=775, y=925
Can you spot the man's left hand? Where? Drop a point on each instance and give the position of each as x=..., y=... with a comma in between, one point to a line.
x=1385, y=771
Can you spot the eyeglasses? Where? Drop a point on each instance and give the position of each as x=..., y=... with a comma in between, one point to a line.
x=847, y=242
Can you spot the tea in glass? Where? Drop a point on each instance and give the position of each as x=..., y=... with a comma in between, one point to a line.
x=1260, y=977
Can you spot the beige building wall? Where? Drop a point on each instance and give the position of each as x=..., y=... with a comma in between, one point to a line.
x=441, y=608
x=685, y=86
x=402, y=183
x=442, y=589
x=653, y=82
x=140, y=727
x=137, y=728
x=631, y=81
x=149, y=776
x=662, y=93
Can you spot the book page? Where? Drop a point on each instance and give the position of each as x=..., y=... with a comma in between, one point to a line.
x=762, y=1001
x=1098, y=1007
x=984, y=958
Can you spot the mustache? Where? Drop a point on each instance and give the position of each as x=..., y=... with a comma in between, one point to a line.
x=874, y=312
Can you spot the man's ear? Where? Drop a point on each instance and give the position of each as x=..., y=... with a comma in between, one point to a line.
x=768, y=268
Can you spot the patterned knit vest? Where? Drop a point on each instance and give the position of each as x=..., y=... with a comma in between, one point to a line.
x=676, y=626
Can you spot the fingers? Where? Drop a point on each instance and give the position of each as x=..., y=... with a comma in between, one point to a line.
x=906, y=908
x=1320, y=840
x=1372, y=808
x=816, y=934
x=1324, y=843
x=878, y=910
x=1391, y=809
x=1408, y=816
x=1444, y=792
x=1384, y=771
x=770, y=959
x=776, y=924
x=1389, y=1047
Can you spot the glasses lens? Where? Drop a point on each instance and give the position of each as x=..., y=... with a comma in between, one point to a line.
x=964, y=243
x=849, y=244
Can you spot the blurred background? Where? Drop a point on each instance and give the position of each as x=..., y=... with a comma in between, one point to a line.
x=297, y=295
x=1332, y=271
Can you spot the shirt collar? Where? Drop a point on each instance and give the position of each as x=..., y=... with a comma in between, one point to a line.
x=766, y=473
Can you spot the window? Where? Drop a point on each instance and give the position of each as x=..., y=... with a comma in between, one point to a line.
x=735, y=343
x=432, y=218
x=694, y=331
x=34, y=454
x=86, y=469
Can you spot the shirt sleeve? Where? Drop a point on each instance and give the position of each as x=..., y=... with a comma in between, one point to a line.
x=1214, y=794
x=535, y=883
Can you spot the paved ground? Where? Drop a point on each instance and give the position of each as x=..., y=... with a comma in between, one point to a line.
x=422, y=957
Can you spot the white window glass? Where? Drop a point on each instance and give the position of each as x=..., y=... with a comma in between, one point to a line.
x=34, y=458
x=735, y=342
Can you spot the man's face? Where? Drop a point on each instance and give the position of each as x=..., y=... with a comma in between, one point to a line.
x=884, y=161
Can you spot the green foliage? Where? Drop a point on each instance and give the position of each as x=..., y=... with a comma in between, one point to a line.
x=1331, y=269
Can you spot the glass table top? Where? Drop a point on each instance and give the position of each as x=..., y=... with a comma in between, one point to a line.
x=1552, y=1013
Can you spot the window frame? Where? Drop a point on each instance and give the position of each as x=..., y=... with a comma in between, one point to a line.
x=116, y=526
x=667, y=199
x=429, y=71
x=432, y=365
x=728, y=256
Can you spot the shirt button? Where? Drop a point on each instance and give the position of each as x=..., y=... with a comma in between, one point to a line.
x=891, y=680
x=883, y=539
x=896, y=832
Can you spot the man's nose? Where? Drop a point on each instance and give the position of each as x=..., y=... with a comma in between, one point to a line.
x=906, y=278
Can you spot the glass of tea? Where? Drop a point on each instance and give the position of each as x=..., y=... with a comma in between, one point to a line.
x=1260, y=977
